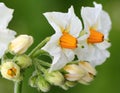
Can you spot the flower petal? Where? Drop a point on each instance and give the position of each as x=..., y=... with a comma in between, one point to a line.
x=86, y=53
x=52, y=46
x=103, y=45
x=75, y=24
x=104, y=24
x=92, y=54
x=6, y=36
x=60, y=62
x=99, y=57
x=69, y=54
x=5, y=15
x=90, y=15
x=57, y=20
x=65, y=21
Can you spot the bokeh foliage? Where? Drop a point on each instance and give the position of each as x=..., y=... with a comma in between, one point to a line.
x=28, y=19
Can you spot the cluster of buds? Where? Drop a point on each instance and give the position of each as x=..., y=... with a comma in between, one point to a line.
x=44, y=81
x=11, y=68
x=69, y=76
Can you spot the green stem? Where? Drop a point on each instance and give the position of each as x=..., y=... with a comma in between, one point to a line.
x=18, y=87
x=44, y=63
x=39, y=46
x=40, y=53
x=39, y=67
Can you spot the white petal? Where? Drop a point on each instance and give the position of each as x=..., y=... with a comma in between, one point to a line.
x=86, y=53
x=5, y=15
x=100, y=57
x=90, y=15
x=104, y=24
x=75, y=24
x=92, y=54
x=103, y=45
x=60, y=63
x=52, y=46
x=6, y=36
x=2, y=49
x=57, y=20
x=65, y=21
x=69, y=54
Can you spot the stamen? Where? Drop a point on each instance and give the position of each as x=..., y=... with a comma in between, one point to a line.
x=68, y=41
x=95, y=37
x=12, y=72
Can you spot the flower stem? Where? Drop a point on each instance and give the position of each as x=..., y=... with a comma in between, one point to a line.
x=40, y=53
x=39, y=46
x=18, y=87
x=44, y=63
x=39, y=67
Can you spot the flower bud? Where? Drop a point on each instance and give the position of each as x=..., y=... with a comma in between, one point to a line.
x=70, y=83
x=74, y=72
x=20, y=44
x=11, y=71
x=33, y=80
x=55, y=78
x=42, y=84
x=64, y=86
x=90, y=72
x=23, y=61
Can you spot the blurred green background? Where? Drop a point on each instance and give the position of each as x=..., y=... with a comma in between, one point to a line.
x=28, y=19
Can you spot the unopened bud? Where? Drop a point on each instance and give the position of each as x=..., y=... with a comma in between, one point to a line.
x=70, y=83
x=20, y=44
x=23, y=61
x=64, y=86
x=33, y=80
x=88, y=67
x=90, y=72
x=55, y=78
x=11, y=71
x=42, y=84
x=74, y=72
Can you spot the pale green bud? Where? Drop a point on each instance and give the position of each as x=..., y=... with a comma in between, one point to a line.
x=42, y=84
x=33, y=80
x=20, y=44
x=23, y=61
x=64, y=86
x=67, y=85
x=11, y=71
x=70, y=83
x=55, y=78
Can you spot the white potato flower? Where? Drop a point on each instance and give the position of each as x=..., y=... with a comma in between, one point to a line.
x=66, y=39
x=6, y=35
x=97, y=24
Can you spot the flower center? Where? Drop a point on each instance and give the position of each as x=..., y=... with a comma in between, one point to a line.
x=95, y=37
x=12, y=72
x=68, y=41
